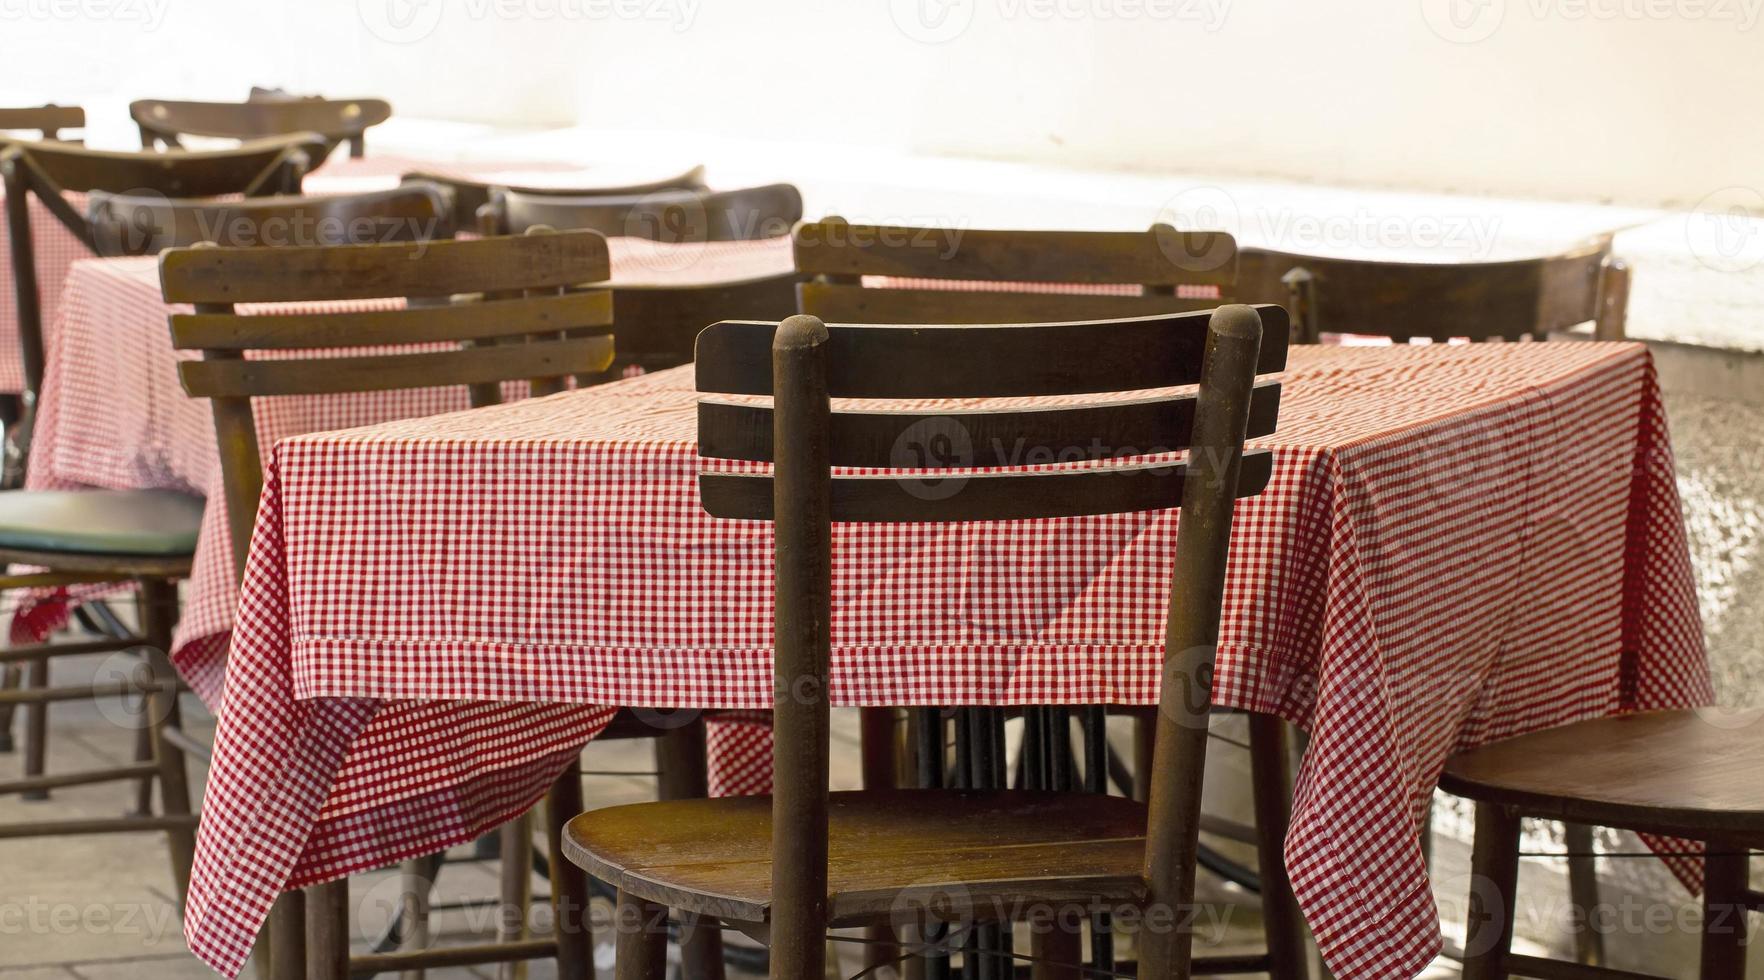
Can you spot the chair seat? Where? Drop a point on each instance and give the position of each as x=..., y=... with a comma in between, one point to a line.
x=889, y=853
x=1689, y=772
x=157, y=523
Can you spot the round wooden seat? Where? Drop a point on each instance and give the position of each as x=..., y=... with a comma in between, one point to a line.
x=891, y=854
x=1692, y=772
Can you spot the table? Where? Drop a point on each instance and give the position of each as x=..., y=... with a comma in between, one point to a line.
x=1460, y=543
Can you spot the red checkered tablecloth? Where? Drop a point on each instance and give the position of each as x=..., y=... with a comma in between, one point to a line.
x=1460, y=543
x=57, y=248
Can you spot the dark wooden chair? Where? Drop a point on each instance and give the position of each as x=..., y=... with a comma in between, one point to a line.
x=660, y=322
x=672, y=216
x=124, y=224
x=1509, y=300
x=1686, y=774
x=879, y=274
x=953, y=275
x=509, y=310
x=48, y=120
x=162, y=122
x=102, y=537
x=790, y=867
x=51, y=171
x=1522, y=299
x=471, y=195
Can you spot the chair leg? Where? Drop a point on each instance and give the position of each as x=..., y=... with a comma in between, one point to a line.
x=642, y=939
x=1494, y=881
x=1724, y=913
x=1271, y=785
x=327, y=931
x=287, y=937
x=143, y=753
x=36, y=727
x=685, y=775
x=1583, y=893
x=418, y=884
x=517, y=891
x=159, y=613
x=1056, y=943
x=10, y=677
x=569, y=884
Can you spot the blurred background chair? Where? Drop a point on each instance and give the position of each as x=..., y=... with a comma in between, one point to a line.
x=164, y=123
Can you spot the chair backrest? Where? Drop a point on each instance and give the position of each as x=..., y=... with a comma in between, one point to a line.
x=48, y=120
x=162, y=122
x=747, y=214
x=510, y=304
x=803, y=363
x=50, y=170
x=925, y=275
x=1479, y=301
x=144, y=225
x=469, y=196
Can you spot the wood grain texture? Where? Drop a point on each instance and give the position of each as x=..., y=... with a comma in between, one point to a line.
x=987, y=360
x=1685, y=772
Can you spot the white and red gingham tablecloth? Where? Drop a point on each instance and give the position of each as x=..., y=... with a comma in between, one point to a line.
x=1459, y=544
x=57, y=249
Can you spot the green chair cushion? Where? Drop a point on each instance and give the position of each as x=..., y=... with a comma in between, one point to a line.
x=100, y=522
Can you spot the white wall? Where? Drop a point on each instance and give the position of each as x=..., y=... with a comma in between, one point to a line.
x=1638, y=101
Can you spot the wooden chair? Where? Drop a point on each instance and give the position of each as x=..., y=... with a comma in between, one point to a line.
x=923, y=275
x=103, y=537
x=1510, y=300
x=137, y=225
x=49, y=120
x=1524, y=299
x=874, y=274
x=790, y=867
x=1687, y=774
x=671, y=216
x=661, y=322
x=471, y=195
x=162, y=123
x=511, y=307
x=50, y=171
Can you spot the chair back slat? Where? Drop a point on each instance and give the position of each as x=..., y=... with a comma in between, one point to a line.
x=468, y=195
x=1013, y=497
x=273, y=275
x=986, y=360
x=164, y=122
x=231, y=378
x=137, y=225
x=71, y=167
x=437, y=324
x=841, y=303
x=1162, y=256
x=49, y=120
x=524, y=322
x=977, y=437
x=1479, y=301
x=747, y=214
